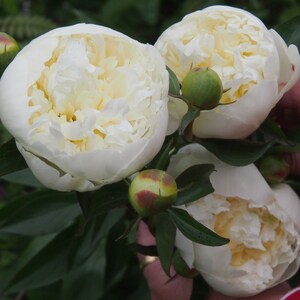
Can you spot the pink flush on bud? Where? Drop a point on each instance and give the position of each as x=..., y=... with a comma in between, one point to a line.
x=151, y=192
x=7, y=43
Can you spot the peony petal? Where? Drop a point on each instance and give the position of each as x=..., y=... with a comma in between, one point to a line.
x=53, y=178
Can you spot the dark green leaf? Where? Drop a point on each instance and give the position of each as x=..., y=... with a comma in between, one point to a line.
x=290, y=31
x=86, y=244
x=165, y=232
x=117, y=257
x=194, y=183
x=185, y=127
x=107, y=198
x=48, y=266
x=236, y=152
x=10, y=158
x=39, y=213
x=272, y=132
x=193, y=230
x=295, y=148
x=24, y=177
x=87, y=281
x=294, y=134
x=174, y=85
x=145, y=250
x=200, y=289
x=162, y=159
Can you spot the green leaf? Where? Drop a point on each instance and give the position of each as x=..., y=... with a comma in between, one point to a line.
x=294, y=134
x=200, y=289
x=107, y=198
x=39, y=213
x=295, y=148
x=117, y=257
x=10, y=158
x=87, y=281
x=145, y=250
x=162, y=159
x=290, y=31
x=165, y=232
x=48, y=266
x=174, y=85
x=23, y=177
x=272, y=132
x=86, y=244
x=193, y=230
x=194, y=183
x=235, y=152
x=185, y=127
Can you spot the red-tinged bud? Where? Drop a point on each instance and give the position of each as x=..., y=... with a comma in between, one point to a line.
x=202, y=87
x=182, y=268
x=151, y=192
x=274, y=169
x=7, y=43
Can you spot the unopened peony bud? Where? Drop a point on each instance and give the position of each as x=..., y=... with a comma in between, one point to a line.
x=151, y=192
x=7, y=43
x=182, y=268
x=202, y=88
x=8, y=50
x=274, y=169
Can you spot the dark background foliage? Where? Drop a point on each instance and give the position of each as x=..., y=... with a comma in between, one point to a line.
x=47, y=249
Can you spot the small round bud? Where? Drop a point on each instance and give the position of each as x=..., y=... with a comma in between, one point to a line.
x=8, y=50
x=202, y=88
x=274, y=169
x=182, y=268
x=7, y=43
x=151, y=192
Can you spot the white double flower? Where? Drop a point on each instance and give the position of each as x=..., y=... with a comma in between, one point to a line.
x=255, y=65
x=87, y=106
x=262, y=224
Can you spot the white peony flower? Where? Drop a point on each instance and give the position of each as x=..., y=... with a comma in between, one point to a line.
x=87, y=106
x=254, y=64
x=262, y=224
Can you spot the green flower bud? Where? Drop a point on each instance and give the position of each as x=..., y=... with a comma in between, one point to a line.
x=7, y=43
x=8, y=50
x=151, y=192
x=202, y=88
x=182, y=268
x=274, y=169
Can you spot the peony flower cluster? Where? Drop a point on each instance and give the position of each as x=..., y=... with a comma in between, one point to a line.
x=89, y=106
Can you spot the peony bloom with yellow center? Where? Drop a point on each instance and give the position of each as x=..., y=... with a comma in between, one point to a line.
x=262, y=224
x=255, y=65
x=87, y=106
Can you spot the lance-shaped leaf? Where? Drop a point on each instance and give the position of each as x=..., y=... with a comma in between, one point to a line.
x=290, y=31
x=165, y=232
x=145, y=250
x=162, y=158
x=174, y=85
x=185, y=128
x=48, y=266
x=107, y=198
x=272, y=132
x=39, y=213
x=236, y=152
x=194, y=183
x=194, y=230
x=10, y=158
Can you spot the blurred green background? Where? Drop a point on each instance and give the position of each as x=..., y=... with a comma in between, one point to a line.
x=116, y=275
